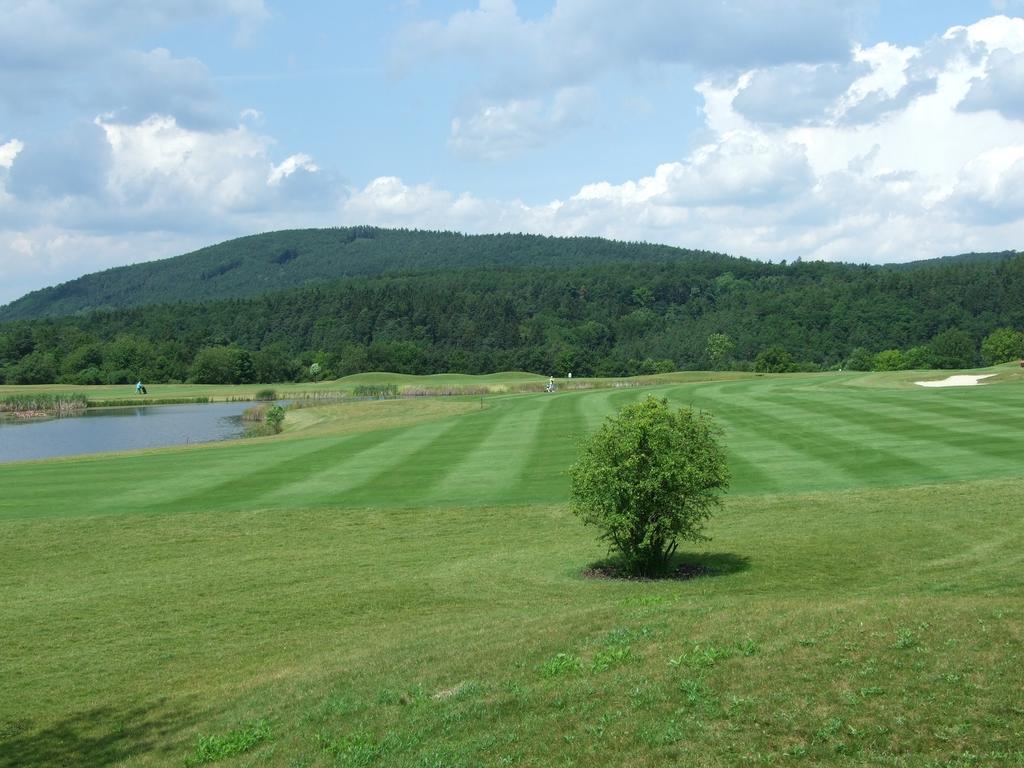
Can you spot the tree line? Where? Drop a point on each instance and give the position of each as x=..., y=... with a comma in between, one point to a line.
x=604, y=319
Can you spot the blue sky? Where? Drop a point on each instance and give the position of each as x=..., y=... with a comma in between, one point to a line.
x=867, y=131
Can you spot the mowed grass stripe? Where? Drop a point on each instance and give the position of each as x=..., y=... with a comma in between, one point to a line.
x=488, y=459
x=248, y=487
x=783, y=448
x=388, y=461
x=1001, y=409
x=849, y=439
x=415, y=476
x=950, y=452
x=553, y=445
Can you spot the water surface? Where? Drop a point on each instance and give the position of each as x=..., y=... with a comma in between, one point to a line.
x=120, y=429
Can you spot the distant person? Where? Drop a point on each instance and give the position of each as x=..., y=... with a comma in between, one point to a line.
x=140, y=389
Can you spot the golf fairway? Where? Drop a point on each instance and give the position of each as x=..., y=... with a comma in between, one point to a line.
x=400, y=583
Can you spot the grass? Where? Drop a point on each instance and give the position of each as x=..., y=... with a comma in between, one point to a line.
x=34, y=403
x=399, y=583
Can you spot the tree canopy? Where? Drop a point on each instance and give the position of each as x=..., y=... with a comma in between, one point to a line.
x=648, y=479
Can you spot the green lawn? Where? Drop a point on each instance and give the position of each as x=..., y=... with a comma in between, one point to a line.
x=399, y=583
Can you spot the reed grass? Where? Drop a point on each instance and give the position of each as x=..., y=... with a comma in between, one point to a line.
x=127, y=402
x=55, y=404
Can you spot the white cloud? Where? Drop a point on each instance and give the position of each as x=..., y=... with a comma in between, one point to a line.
x=1000, y=88
x=293, y=164
x=9, y=151
x=742, y=168
x=991, y=186
x=912, y=177
x=881, y=154
x=502, y=130
x=580, y=39
x=83, y=52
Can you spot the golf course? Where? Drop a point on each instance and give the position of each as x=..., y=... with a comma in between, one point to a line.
x=399, y=582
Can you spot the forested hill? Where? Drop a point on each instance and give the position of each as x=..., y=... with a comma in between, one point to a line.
x=273, y=261
x=604, y=319
x=960, y=258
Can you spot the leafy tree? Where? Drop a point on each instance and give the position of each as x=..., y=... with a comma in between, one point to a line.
x=35, y=368
x=887, y=360
x=918, y=358
x=648, y=478
x=1002, y=345
x=774, y=360
x=275, y=417
x=953, y=348
x=718, y=348
x=860, y=360
x=222, y=365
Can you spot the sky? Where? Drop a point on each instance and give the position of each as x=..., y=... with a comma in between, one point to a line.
x=867, y=131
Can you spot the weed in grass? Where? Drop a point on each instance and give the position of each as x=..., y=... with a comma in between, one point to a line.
x=561, y=663
x=670, y=733
x=612, y=656
x=645, y=601
x=828, y=730
x=353, y=750
x=702, y=657
x=905, y=638
x=460, y=690
x=871, y=690
x=797, y=751
x=697, y=694
x=212, y=748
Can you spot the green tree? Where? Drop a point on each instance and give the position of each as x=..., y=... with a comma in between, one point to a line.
x=1002, y=346
x=917, y=358
x=774, y=360
x=887, y=360
x=222, y=365
x=648, y=478
x=860, y=360
x=275, y=417
x=718, y=348
x=953, y=348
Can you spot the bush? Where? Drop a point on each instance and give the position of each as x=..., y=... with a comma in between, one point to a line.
x=648, y=478
x=888, y=360
x=774, y=360
x=1002, y=346
x=953, y=348
x=275, y=417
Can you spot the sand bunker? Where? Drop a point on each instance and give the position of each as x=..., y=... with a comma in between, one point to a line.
x=956, y=381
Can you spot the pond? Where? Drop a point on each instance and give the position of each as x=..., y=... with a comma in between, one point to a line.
x=120, y=429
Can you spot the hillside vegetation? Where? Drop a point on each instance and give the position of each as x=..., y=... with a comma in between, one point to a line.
x=273, y=261
x=604, y=318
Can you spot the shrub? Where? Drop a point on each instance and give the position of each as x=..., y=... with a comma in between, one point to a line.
x=773, y=360
x=1002, y=345
x=274, y=417
x=649, y=477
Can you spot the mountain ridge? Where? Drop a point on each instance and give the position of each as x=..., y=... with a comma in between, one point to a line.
x=272, y=261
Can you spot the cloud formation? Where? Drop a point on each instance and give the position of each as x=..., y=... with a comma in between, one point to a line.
x=580, y=39
x=827, y=149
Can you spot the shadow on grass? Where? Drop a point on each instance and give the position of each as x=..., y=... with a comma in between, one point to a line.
x=689, y=565
x=100, y=736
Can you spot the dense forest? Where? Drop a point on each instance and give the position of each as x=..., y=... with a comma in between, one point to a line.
x=273, y=261
x=618, y=316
